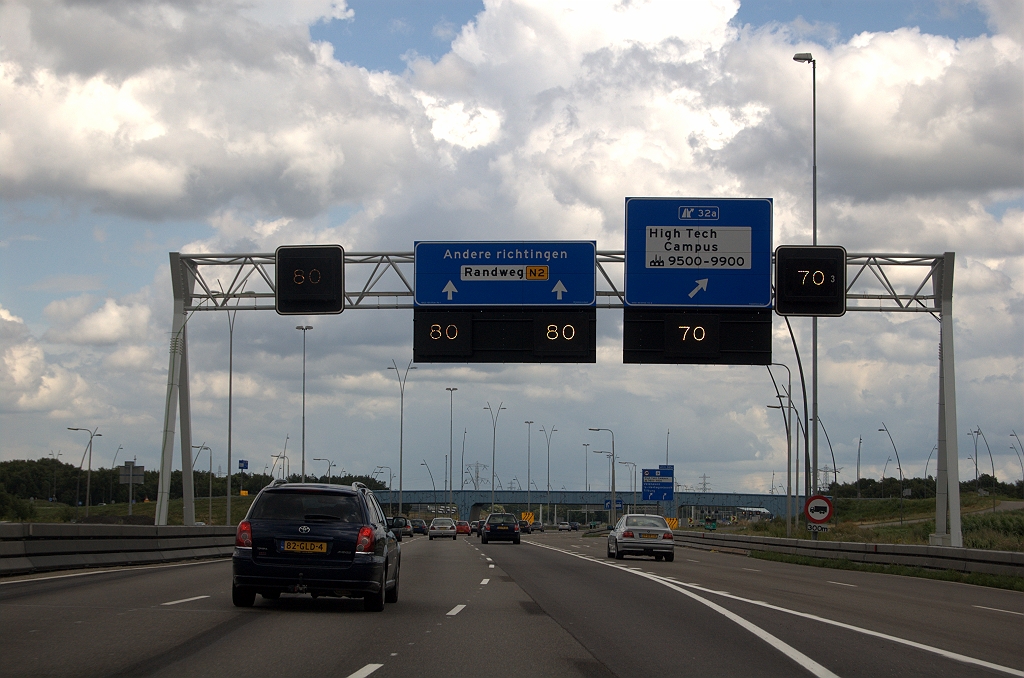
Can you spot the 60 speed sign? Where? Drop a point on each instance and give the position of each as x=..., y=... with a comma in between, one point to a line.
x=818, y=509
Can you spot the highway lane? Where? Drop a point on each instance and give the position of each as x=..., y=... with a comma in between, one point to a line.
x=554, y=604
x=179, y=620
x=977, y=622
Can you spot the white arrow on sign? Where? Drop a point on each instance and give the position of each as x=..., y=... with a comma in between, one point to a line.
x=449, y=288
x=558, y=289
x=702, y=284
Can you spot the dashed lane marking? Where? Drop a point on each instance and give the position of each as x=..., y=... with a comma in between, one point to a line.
x=491, y=566
x=185, y=600
x=840, y=583
x=455, y=610
x=365, y=671
x=996, y=609
x=484, y=581
x=750, y=569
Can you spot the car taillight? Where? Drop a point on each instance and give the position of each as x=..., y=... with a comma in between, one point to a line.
x=517, y=527
x=364, y=541
x=667, y=535
x=628, y=534
x=243, y=537
x=433, y=527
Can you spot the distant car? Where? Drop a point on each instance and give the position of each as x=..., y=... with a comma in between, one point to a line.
x=441, y=527
x=462, y=527
x=564, y=526
x=641, y=535
x=500, y=526
x=474, y=527
x=574, y=525
x=418, y=526
x=537, y=526
x=325, y=540
x=524, y=527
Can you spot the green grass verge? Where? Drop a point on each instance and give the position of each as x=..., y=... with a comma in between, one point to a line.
x=998, y=581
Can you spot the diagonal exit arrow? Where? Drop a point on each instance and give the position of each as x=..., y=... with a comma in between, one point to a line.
x=702, y=284
x=558, y=289
x=450, y=288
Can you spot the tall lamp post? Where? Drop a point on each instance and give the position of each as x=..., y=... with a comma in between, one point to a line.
x=547, y=436
x=529, y=436
x=991, y=461
x=612, y=521
x=56, y=465
x=586, y=478
x=88, y=475
x=402, y=378
x=113, y=465
x=787, y=418
x=805, y=57
x=433, y=486
x=1020, y=459
x=494, y=441
x=329, y=465
x=202, y=447
x=451, y=453
x=899, y=466
x=304, y=328
x=633, y=466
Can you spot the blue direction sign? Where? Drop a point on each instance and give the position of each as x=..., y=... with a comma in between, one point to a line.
x=550, y=273
x=658, y=483
x=608, y=504
x=243, y=465
x=699, y=252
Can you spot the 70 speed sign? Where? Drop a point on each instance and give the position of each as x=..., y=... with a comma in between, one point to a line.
x=818, y=509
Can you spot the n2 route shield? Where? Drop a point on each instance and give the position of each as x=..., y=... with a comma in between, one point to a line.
x=515, y=273
x=698, y=252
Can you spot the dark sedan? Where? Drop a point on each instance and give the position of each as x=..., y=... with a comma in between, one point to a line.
x=324, y=540
x=500, y=526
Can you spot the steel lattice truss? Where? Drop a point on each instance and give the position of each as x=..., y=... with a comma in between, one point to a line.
x=381, y=280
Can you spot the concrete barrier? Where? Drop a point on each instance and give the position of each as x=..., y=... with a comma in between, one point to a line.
x=935, y=557
x=40, y=547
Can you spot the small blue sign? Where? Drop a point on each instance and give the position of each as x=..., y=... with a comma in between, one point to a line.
x=608, y=504
x=547, y=273
x=243, y=465
x=659, y=483
x=699, y=252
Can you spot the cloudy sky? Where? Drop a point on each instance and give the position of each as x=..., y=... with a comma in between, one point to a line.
x=129, y=130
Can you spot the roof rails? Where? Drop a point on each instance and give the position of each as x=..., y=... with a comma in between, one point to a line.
x=278, y=481
x=357, y=485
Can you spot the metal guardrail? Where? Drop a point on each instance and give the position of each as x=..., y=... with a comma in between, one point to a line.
x=935, y=557
x=41, y=547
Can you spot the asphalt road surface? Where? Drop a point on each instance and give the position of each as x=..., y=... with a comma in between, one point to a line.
x=551, y=606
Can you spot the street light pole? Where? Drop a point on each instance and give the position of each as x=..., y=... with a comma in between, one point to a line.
x=613, y=471
x=329, y=465
x=899, y=466
x=547, y=436
x=586, y=478
x=113, y=465
x=402, y=378
x=787, y=419
x=303, y=328
x=991, y=461
x=433, y=486
x=633, y=484
x=451, y=452
x=805, y=57
x=88, y=476
x=494, y=442
x=56, y=466
x=529, y=436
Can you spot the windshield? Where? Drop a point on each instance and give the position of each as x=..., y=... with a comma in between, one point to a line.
x=305, y=505
x=646, y=521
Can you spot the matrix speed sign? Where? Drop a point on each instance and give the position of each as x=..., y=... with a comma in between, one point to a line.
x=818, y=509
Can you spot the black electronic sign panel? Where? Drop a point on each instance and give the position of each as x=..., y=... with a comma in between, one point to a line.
x=310, y=279
x=709, y=336
x=810, y=281
x=488, y=335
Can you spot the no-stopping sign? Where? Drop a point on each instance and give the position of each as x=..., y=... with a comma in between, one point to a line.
x=818, y=509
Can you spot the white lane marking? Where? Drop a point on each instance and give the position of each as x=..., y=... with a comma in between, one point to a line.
x=849, y=627
x=491, y=566
x=840, y=583
x=365, y=671
x=750, y=569
x=113, y=569
x=800, y=658
x=692, y=560
x=455, y=610
x=996, y=609
x=488, y=560
x=185, y=600
x=484, y=581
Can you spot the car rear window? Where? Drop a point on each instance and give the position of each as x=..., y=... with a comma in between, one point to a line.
x=299, y=505
x=646, y=521
x=504, y=519
x=445, y=522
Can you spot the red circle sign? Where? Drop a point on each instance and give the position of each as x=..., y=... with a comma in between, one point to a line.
x=818, y=509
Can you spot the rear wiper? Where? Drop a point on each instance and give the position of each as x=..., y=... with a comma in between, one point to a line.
x=320, y=516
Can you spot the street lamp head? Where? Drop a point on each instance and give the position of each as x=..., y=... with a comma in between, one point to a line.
x=803, y=57
x=881, y=430
x=303, y=327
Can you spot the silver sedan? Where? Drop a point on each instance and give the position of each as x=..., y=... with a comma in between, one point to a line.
x=641, y=535
x=441, y=527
